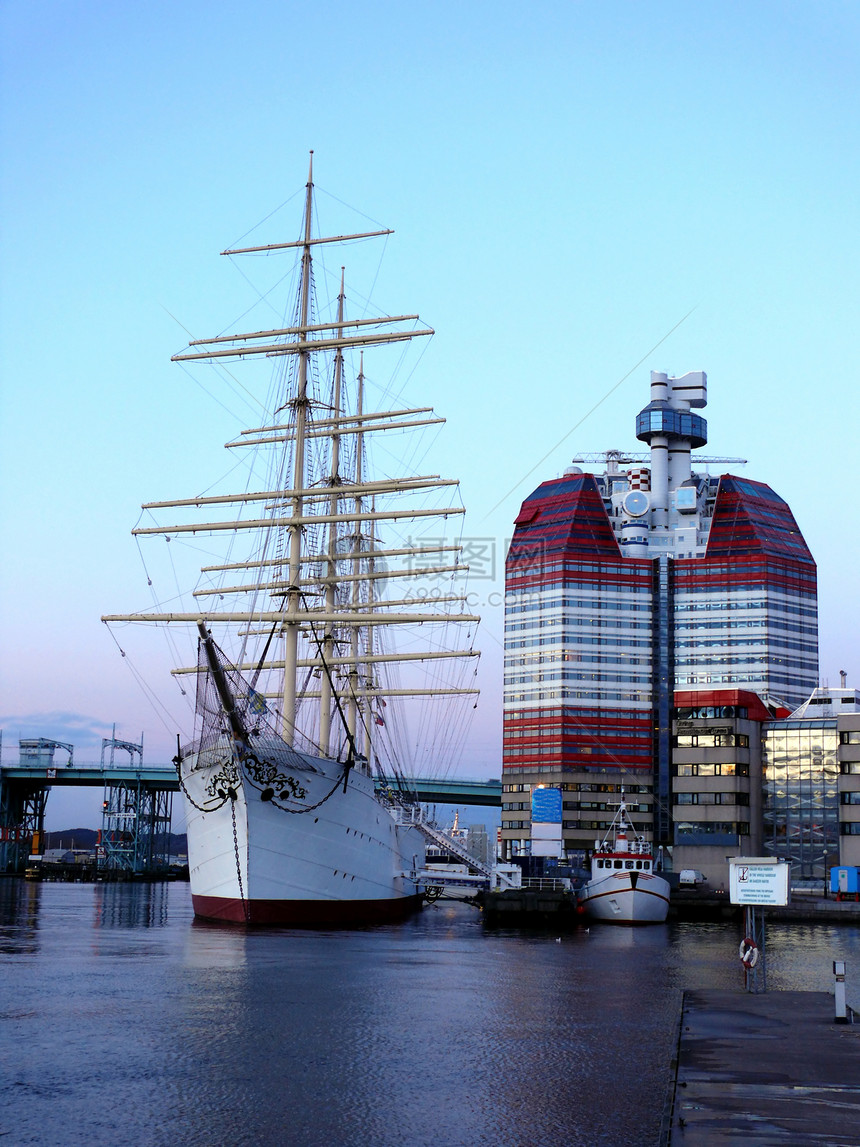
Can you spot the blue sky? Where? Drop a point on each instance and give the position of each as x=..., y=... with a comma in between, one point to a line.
x=566, y=181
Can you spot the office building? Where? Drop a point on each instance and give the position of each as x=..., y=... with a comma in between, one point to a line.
x=625, y=587
x=812, y=785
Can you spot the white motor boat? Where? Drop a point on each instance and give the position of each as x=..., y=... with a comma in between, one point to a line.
x=624, y=888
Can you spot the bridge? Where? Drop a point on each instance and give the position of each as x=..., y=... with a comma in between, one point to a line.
x=457, y=790
x=158, y=778
x=162, y=778
x=136, y=811
x=138, y=805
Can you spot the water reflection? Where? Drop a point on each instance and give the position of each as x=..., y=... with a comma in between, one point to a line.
x=131, y=905
x=19, y=915
x=209, y=945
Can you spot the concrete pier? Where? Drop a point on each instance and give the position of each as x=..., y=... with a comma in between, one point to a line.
x=772, y=1068
x=547, y=903
x=804, y=907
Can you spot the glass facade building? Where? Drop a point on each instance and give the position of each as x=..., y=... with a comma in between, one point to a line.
x=801, y=813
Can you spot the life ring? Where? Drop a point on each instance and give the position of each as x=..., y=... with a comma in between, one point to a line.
x=748, y=952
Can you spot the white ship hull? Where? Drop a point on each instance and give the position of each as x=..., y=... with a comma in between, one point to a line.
x=258, y=861
x=627, y=898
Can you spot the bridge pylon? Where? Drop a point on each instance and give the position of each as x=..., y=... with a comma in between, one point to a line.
x=135, y=833
x=22, y=806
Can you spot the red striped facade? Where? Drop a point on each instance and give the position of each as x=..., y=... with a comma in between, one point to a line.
x=578, y=689
x=569, y=702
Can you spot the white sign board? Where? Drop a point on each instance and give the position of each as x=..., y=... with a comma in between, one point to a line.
x=546, y=832
x=758, y=880
x=547, y=848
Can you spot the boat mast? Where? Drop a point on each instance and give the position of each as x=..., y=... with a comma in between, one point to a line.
x=225, y=696
x=369, y=679
x=331, y=564
x=300, y=405
x=342, y=506
x=357, y=547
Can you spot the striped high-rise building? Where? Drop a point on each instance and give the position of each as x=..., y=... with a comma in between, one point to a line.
x=624, y=586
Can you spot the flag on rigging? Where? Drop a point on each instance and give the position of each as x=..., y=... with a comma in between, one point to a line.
x=257, y=702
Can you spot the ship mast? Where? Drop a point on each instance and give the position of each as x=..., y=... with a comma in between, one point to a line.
x=357, y=547
x=331, y=563
x=370, y=678
x=300, y=405
x=294, y=593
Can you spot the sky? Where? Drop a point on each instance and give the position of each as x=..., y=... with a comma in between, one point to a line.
x=580, y=192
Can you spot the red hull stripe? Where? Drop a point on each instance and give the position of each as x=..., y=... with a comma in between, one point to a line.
x=305, y=913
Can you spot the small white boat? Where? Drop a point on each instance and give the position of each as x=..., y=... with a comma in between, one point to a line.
x=624, y=888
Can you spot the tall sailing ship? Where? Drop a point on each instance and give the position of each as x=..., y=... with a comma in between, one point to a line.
x=298, y=804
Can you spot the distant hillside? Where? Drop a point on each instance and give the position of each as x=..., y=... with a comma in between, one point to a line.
x=71, y=838
x=86, y=838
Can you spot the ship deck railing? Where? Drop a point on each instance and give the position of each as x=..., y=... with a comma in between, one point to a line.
x=546, y=884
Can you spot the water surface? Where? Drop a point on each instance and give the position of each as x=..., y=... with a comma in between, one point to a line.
x=124, y=1021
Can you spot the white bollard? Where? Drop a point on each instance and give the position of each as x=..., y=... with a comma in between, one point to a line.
x=839, y=992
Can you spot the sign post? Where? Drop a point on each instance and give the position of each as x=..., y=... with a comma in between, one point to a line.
x=756, y=882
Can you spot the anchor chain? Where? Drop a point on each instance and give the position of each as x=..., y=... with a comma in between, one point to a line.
x=246, y=908
x=177, y=761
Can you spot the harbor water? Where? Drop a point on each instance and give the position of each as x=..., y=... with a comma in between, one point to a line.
x=124, y=1021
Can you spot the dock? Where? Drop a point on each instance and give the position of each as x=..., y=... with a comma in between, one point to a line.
x=547, y=901
x=767, y=1069
x=537, y=903
x=804, y=907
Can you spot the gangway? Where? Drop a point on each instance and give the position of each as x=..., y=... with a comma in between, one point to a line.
x=453, y=847
x=495, y=877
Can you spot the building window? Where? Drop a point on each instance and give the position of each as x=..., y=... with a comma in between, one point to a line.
x=710, y=828
x=850, y=798
x=849, y=737
x=710, y=740
x=849, y=828
x=721, y=769
x=712, y=798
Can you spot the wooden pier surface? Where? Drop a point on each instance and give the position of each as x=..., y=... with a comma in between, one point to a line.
x=772, y=1068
